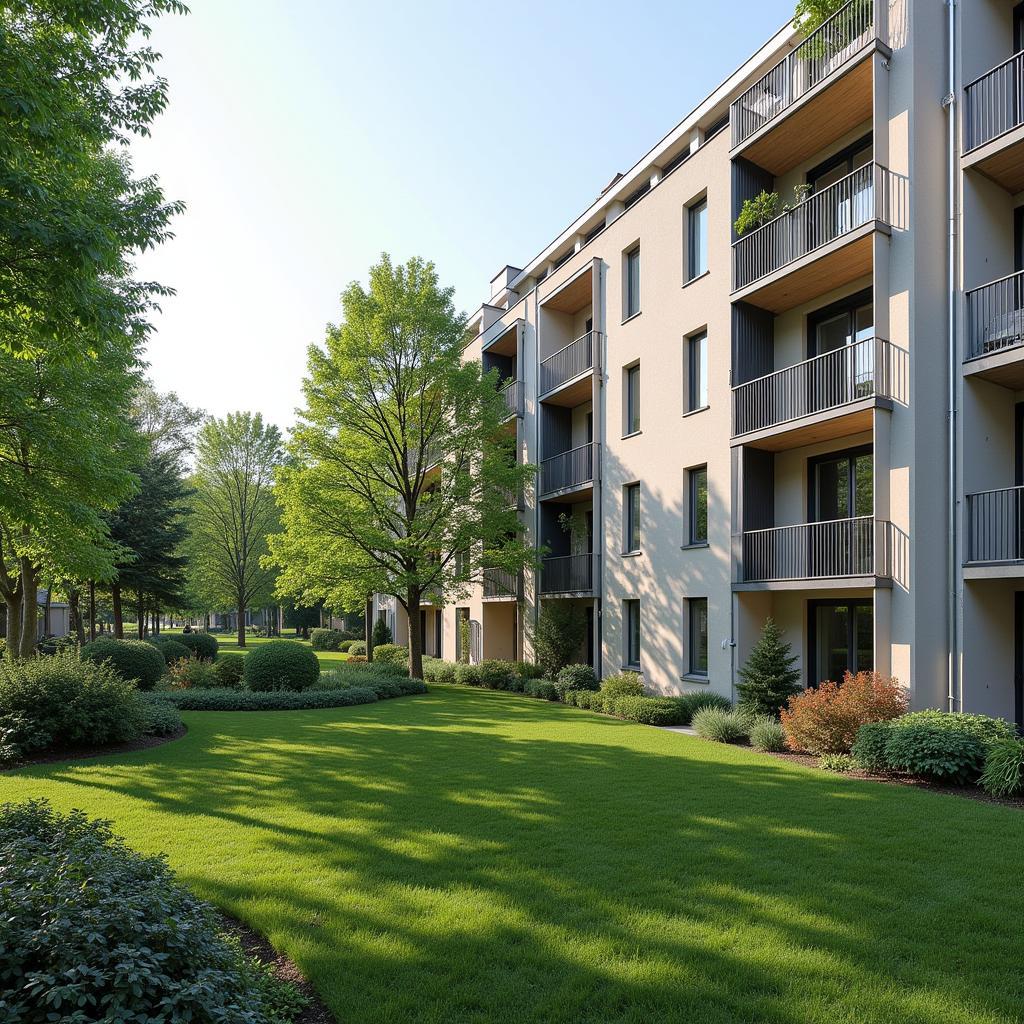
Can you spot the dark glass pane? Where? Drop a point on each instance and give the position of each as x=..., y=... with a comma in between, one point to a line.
x=832, y=642
x=863, y=477
x=832, y=487
x=864, y=626
x=699, y=506
x=699, y=636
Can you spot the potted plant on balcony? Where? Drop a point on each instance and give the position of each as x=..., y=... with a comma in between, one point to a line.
x=824, y=53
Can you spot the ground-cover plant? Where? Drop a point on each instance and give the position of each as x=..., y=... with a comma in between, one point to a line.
x=769, y=676
x=266, y=700
x=825, y=719
x=229, y=670
x=281, y=665
x=133, y=660
x=840, y=763
x=94, y=931
x=51, y=703
x=1003, y=774
x=720, y=725
x=171, y=649
x=202, y=645
x=326, y=639
x=159, y=717
x=766, y=733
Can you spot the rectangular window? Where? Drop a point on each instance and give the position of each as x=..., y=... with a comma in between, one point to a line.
x=697, y=249
x=698, y=609
x=632, y=282
x=632, y=517
x=697, y=371
x=699, y=505
x=633, y=399
x=632, y=633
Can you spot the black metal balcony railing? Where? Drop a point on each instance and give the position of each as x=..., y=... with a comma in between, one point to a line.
x=994, y=103
x=825, y=216
x=841, y=547
x=828, y=381
x=500, y=583
x=995, y=525
x=570, y=469
x=512, y=392
x=822, y=53
x=577, y=357
x=568, y=574
x=995, y=316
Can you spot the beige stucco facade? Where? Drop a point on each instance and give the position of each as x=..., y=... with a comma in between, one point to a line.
x=829, y=494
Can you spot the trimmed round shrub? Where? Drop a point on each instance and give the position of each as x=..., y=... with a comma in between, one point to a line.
x=325, y=639
x=934, y=752
x=1003, y=774
x=982, y=727
x=344, y=645
x=281, y=665
x=576, y=677
x=202, y=645
x=870, y=746
x=391, y=654
x=132, y=944
x=133, y=660
x=720, y=725
x=466, y=674
x=498, y=675
x=50, y=703
x=625, y=684
x=229, y=670
x=357, y=647
x=170, y=648
x=540, y=688
x=767, y=734
x=648, y=710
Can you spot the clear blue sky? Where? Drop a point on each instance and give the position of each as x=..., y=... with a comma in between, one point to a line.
x=308, y=136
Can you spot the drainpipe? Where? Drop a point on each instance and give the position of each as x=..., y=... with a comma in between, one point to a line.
x=955, y=683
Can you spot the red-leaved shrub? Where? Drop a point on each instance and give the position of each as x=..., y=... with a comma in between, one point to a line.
x=825, y=720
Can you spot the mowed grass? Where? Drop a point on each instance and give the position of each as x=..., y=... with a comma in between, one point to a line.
x=470, y=856
x=228, y=644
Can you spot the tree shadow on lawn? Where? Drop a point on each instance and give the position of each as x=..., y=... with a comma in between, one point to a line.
x=471, y=856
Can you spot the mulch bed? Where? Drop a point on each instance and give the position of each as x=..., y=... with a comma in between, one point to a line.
x=82, y=752
x=283, y=968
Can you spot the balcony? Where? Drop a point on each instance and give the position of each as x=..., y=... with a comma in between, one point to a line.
x=568, y=574
x=995, y=332
x=501, y=585
x=816, y=94
x=820, y=244
x=994, y=124
x=513, y=392
x=831, y=395
x=994, y=533
x=568, y=472
x=568, y=365
x=838, y=553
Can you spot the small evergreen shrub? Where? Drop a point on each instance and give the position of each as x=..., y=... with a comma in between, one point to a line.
x=870, y=746
x=281, y=665
x=229, y=670
x=325, y=639
x=192, y=673
x=1003, y=774
x=767, y=734
x=499, y=675
x=391, y=654
x=837, y=762
x=540, y=688
x=381, y=634
x=357, y=647
x=589, y=700
x=769, y=677
x=133, y=660
x=722, y=726
x=202, y=645
x=560, y=632
x=576, y=677
x=624, y=684
x=945, y=755
x=169, y=648
x=466, y=674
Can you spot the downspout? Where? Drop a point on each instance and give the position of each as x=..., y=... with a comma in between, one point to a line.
x=955, y=683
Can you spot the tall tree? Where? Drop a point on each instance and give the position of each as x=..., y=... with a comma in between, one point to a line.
x=233, y=512
x=401, y=471
x=168, y=424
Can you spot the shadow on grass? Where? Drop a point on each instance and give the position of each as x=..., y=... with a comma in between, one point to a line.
x=471, y=856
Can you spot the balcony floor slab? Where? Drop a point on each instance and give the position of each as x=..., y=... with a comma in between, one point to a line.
x=1001, y=160
x=993, y=570
x=829, y=583
x=1004, y=366
x=843, y=421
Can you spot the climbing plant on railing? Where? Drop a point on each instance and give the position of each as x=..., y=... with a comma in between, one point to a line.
x=756, y=212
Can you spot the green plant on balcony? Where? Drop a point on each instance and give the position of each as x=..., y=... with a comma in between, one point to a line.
x=810, y=15
x=575, y=524
x=756, y=212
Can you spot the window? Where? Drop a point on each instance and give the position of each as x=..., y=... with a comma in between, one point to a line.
x=697, y=371
x=632, y=399
x=632, y=617
x=632, y=503
x=841, y=634
x=699, y=505
x=698, y=615
x=697, y=229
x=632, y=283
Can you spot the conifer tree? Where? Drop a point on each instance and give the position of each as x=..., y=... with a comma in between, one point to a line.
x=769, y=678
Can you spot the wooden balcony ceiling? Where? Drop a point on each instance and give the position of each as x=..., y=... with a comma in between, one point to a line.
x=832, y=266
x=1001, y=160
x=826, y=426
x=834, y=107
x=574, y=296
x=505, y=343
x=571, y=395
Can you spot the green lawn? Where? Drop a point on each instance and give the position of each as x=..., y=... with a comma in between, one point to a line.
x=470, y=856
x=228, y=644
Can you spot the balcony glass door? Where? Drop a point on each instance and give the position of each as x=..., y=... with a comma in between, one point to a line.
x=842, y=635
x=841, y=498
x=845, y=329
x=847, y=205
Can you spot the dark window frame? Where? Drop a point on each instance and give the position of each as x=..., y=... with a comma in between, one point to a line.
x=632, y=539
x=633, y=399
x=692, y=668
x=844, y=156
x=691, y=248
x=632, y=289
x=850, y=304
x=693, y=403
x=634, y=628
x=812, y=481
x=851, y=638
x=693, y=476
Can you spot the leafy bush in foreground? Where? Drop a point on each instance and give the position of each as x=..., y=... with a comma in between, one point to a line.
x=281, y=665
x=202, y=645
x=647, y=710
x=133, y=660
x=326, y=639
x=467, y=674
x=540, y=688
x=160, y=717
x=982, y=727
x=720, y=725
x=624, y=684
x=1003, y=774
x=391, y=654
x=945, y=755
x=576, y=677
x=869, y=748
x=131, y=945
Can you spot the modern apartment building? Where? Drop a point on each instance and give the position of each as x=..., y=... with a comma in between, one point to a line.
x=820, y=420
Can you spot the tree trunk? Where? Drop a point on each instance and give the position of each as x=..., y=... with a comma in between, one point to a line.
x=29, y=609
x=13, y=603
x=140, y=617
x=75, y=614
x=369, y=628
x=241, y=622
x=412, y=612
x=92, y=609
x=115, y=600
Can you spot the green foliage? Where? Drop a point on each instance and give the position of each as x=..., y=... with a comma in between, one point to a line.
x=982, y=727
x=560, y=631
x=467, y=675
x=357, y=647
x=229, y=670
x=691, y=703
x=647, y=710
x=769, y=676
x=624, y=684
x=326, y=639
x=381, y=634
x=934, y=752
x=170, y=649
x=1003, y=774
x=766, y=733
x=757, y=211
x=131, y=940
x=193, y=673
x=540, y=688
x=437, y=671
x=202, y=645
x=391, y=654
x=576, y=677
x=220, y=699
x=722, y=726
x=499, y=675
x=133, y=660
x=49, y=703
x=159, y=717
x=869, y=748
x=840, y=763
x=281, y=665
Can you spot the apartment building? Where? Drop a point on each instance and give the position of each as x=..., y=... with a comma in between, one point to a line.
x=730, y=427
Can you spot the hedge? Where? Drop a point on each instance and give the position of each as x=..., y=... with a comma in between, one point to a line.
x=281, y=665
x=217, y=699
x=133, y=660
x=202, y=645
x=326, y=639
